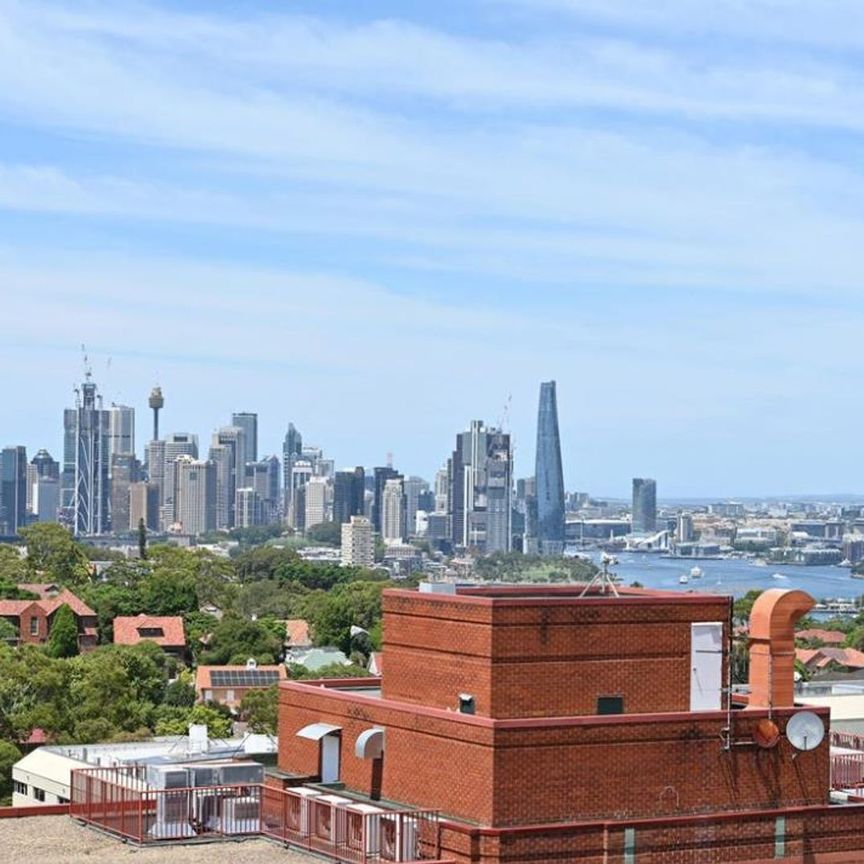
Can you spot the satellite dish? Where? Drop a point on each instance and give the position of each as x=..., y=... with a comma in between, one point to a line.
x=805, y=730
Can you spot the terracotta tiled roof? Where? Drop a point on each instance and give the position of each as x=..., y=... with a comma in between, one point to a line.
x=829, y=637
x=15, y=607
x=297, y=632
x=52, y=597
x=202, y=676
x=819, y=658
x=165, y=631
x=805, y=655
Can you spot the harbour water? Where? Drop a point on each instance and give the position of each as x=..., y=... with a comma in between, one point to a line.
x=733, y=576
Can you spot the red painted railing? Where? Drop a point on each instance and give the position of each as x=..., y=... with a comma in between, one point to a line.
x=120, y=801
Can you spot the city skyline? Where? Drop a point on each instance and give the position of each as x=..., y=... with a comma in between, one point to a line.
x=271, y=443
x=666, y=225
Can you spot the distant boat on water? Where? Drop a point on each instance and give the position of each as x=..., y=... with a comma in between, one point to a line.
x=778, y=576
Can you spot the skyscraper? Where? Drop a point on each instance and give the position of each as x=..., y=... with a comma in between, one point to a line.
x=248, y=422
x=42, y=468
x=358, y=549
x=481, y=471
x=85, y=486
x=13, y=490
x=315, y=502
x=348, y=494
x=195, y=507
x=121, y=431
x=549, y=475
x=644, y=506
x=263, y=477
x=393, y=510
x=125, y=470
x=175, y=445
x=292, y=450
x=382, y=475
x=234, y=438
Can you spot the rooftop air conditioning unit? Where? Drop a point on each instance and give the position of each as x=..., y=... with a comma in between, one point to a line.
x=172, y=816
x=299, y=811
x=241, y=773
x=325, y=816
x=206, y=803
x=240, y=816
x=362, y=828
x=397, y=839
x=168, y=777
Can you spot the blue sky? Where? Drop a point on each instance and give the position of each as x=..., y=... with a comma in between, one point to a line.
x=380, y=220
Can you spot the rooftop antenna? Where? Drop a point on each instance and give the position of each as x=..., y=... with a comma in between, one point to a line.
x=504, y=424
x=605, y=580
x=389, y=458
x=88, y=370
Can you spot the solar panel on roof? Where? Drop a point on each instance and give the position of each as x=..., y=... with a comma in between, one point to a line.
x=244, y=678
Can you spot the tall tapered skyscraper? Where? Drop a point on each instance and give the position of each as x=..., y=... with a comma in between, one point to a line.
x=549, y=475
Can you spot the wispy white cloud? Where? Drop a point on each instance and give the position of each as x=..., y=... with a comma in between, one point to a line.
x=596, y=172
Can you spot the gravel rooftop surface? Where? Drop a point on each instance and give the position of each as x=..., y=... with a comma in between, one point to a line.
x=61, y=840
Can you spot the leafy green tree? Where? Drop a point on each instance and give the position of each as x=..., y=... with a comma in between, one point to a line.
x=8, y=631
x=53, y=554
x=63, y=640
x=744, y=605
x=176, y=721
x=9, y=755
x=260, y=709
x=180, y=694
x=235, y=640
x=332, y=670
x=142, y=540
x=332, y=616
x=12, y=566
x=328, y=533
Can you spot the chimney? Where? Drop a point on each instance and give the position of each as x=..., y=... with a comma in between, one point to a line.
x=772, y=646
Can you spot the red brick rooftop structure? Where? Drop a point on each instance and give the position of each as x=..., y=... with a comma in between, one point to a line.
x=547, y=726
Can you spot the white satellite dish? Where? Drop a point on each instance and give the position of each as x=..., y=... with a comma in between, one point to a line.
x=805, y=730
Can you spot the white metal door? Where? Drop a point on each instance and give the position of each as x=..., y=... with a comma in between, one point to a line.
x=330, y=759
x=706, y=666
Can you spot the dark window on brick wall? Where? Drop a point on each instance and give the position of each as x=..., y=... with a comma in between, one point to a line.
x=610, y=704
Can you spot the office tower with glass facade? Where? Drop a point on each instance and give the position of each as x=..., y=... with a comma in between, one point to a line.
x=175, y=445
x=13, y=490
x=381, y=475
x=549, y=475
x=85, y=488
x=292, y=450
x=348, y=494
x=248, y=422
x=481, y=498
x=121, y=430
x=125, y=470
x=644, y=506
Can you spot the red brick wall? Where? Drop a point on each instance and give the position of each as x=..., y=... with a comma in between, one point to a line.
x=542, y=658
x=439, y=762
x=31, y=613
x=503, y=773
x=660, y=766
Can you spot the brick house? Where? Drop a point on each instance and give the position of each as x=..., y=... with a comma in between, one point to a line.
x=227, y=685
x=549, y=726
x=35, y=618
x=168, y=632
